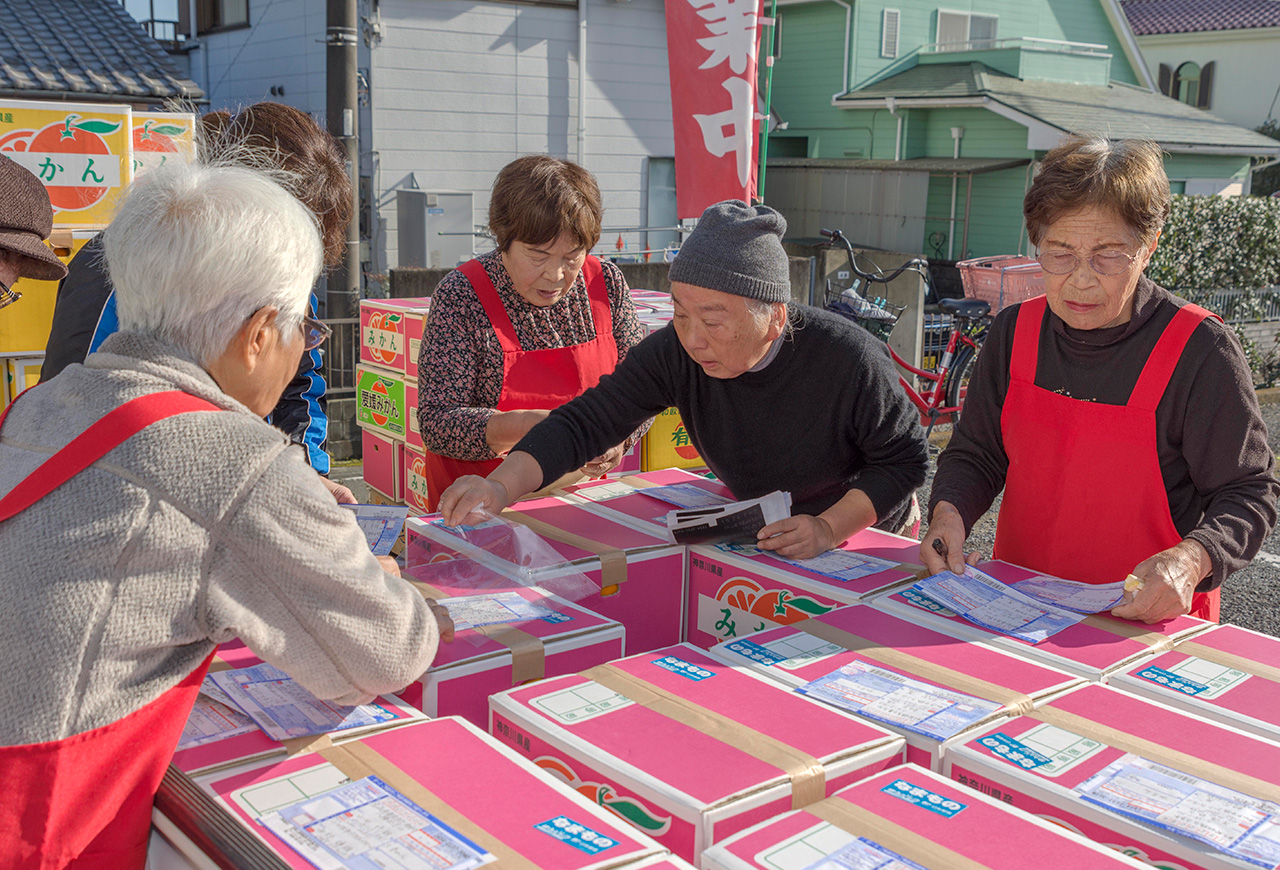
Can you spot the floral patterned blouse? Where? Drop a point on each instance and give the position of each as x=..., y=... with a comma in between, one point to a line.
x=460, y=363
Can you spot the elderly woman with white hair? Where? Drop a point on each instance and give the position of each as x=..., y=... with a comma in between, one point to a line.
x=148, y=513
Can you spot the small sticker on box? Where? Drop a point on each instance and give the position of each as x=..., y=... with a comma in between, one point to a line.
x=579, y=836
x=1170, y=680
x=924, y=602
x=922, y=797
x=1216, y=679
x=579, y=703
x=685, y=669
x=556, y=616
x=1014, y=752
x=749, y=649
x=1063, y=749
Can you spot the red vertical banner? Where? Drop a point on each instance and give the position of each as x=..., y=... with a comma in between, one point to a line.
x=711, y=54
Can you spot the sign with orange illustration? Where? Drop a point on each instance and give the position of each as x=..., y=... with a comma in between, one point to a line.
x=667, y=444
x=81, y=152
x=158, y=137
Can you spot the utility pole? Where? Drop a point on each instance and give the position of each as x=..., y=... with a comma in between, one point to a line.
x=341, y=34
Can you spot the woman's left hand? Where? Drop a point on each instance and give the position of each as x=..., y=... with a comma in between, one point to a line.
x=605, y=462
x=798, y=537
x=1168, y=580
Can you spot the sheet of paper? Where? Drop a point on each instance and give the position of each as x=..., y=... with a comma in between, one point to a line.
x=1231, y=822
x=1071, y=595
x=864, y=854
x=686, y=495
x=213, y=718
x=735, y=521
x=367, y=825
x=842, y=565
x=985, y=601
x=885, y=696
x=381, y=524
x=284, y=709
x=472, y=611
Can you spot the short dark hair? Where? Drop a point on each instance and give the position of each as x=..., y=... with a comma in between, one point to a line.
x=1125, y=176
x=538, y=198
x=292, y=140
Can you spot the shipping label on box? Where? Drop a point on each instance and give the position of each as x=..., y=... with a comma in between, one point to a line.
x=384, y=335
x=621, y=573
x=81, y=152
x=1226, y=673
x=919, y=816
x=686, y=748
x=466, y=781
x=159, y=137
x=1092, y=648
x=381, y=463
x=667, y=444
x=926, y=686
x=1171, y=788
x=565, y=639
x=626, y=499
x=380, y=402
x=737, y=590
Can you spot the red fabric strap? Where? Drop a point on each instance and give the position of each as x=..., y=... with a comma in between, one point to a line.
x=1159, y=367
x=1026, y=340
x=95, y=442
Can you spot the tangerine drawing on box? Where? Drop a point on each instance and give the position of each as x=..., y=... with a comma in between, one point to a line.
x=382, y=339
x=742, y=606
x=158, y=137
x=627, y=808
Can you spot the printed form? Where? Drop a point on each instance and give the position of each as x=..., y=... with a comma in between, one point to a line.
x=842, y=565
x=1237, y=824
x=891, y=698
x=685, y=495
x=214, y=717
x=473, y=611
x=381, y=524
x=864, y=854
x=1072, y=595
x=367, y=825
x=985, y=601
x=284, y=709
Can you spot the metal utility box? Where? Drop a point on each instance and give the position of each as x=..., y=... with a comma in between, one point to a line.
x=422, y=215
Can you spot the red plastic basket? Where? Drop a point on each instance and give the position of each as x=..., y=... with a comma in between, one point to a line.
x=1002, y=281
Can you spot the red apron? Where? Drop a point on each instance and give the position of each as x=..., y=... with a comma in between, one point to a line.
x=1084, y=498
x=85, y=801
x=533, y=378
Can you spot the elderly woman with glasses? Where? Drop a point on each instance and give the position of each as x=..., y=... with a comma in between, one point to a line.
x=149, y=513
x=1119, y=420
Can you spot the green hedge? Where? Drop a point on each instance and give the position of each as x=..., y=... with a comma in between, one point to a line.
x=1219, y=243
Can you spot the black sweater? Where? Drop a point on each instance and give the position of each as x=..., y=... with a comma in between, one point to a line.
x=826, y=415
x=1218, y=470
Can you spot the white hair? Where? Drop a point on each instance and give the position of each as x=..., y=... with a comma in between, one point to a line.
x=196, y=249
x=763, y=311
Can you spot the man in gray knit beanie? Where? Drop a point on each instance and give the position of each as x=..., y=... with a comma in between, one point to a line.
x=815, y=410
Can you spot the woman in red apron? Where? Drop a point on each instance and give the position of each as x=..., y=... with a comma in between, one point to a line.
x=1122, y=423
x=516, y=333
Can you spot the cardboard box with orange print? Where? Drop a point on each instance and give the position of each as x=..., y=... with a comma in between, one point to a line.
x=380, y=402
x=158, y=137
x=25, y=325
x=82, y=153
x=385, y=333
x=382, y=462
x=667, y=444
x=413, y=479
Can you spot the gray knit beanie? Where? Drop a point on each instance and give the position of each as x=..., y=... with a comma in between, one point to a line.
x=736, y=248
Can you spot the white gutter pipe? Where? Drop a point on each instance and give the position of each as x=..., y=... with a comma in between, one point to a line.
x=889, y=104
x=957, y=133
x=582, y=81
x=848, y=31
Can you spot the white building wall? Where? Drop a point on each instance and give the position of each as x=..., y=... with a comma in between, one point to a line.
x=459, y=88
x=1246, y=73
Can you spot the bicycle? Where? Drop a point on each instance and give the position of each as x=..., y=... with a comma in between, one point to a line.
x=949, y=378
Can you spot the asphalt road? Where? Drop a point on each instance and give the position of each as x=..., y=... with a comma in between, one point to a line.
x=1250, y=598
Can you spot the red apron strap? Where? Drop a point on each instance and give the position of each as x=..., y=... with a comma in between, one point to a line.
x=1026, y=340
x=95, y=442
x=598, y=295
x=1159, y=367
x=493, y=307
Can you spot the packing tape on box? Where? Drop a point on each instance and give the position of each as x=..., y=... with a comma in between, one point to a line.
x=863, y=823
x=808, y=776
x=638, y=482
x=1131, y=630
x=311, y=743
x=1229, y=660
x=357, y=761
x=1152, y=751
x=528, y=655
x=911, y=664
x=613, y=562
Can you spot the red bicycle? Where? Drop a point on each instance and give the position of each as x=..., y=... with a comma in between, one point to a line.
x=945, y=384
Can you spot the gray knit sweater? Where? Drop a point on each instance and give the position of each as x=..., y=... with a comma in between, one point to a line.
x=205, y=527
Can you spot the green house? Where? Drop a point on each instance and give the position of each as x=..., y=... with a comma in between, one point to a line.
x=916, y=127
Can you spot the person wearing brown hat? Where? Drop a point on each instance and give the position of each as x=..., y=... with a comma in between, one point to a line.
x=774, y=395
x=26, y=220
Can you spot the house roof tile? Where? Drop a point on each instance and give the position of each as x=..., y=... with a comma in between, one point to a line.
x=1148, y=17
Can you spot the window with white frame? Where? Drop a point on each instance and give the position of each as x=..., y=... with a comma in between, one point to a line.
x=965, y=31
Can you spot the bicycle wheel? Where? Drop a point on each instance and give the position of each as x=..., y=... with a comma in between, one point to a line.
x=958, y=379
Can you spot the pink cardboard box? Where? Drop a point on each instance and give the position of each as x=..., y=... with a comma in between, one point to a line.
x=1226, y=673
x=735, y=591
x=919, y=815
x=412, y=429
x=640, y=576
x=381, y=463
x=256, y=745
x=383, y=339
x=624, y=499
x=813, y=648
x=1092, y=648
x=1038, y=762
x=415, y=324
x=687, y=748
x=494, y=658
x=413, y=479
x=463, y=777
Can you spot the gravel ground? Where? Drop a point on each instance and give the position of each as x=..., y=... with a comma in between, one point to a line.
x=1250, y=598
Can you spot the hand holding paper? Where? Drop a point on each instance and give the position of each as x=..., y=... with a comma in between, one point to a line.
x=1168, y=580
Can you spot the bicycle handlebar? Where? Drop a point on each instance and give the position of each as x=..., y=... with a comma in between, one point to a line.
x=916, y=264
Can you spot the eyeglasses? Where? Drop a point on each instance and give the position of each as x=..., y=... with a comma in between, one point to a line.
x=314, y=332
x=1103, y=262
